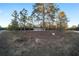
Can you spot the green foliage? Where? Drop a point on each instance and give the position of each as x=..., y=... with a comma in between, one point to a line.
x=43, y=12
x=30, y=22
x=13, y=27
x=23, y=18
x=62, y=21
x=14, y=22
x=20, y=21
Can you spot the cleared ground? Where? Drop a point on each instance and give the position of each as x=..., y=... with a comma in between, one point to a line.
x=39, y=43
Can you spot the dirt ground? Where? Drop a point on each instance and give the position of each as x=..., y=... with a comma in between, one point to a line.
x=39, y=43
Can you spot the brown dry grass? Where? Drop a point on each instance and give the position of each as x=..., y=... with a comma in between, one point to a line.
x=40, y=43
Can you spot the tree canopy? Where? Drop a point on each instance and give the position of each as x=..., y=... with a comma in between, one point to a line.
x=48, y=15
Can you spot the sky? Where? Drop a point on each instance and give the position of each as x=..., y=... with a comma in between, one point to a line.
x=6, y=9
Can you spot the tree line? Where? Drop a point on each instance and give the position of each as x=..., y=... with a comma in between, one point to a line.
x=74, y=27
x=46, y=15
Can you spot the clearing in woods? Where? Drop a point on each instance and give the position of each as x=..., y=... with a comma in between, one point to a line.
x=52, y=43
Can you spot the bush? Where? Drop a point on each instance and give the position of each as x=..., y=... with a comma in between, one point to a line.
x=10, y=27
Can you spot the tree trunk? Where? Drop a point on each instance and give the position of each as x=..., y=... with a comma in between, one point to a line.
x=24, y=26
x=49, y=25
x=43, y=19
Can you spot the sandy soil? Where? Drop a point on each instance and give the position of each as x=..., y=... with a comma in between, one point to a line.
x=39, y=43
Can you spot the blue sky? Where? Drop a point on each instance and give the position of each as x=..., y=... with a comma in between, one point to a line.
x=71, y=10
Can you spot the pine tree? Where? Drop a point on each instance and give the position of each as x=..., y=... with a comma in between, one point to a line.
x=23, y=18
x=14, y=22
x=62, y=21
x=43, y=11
